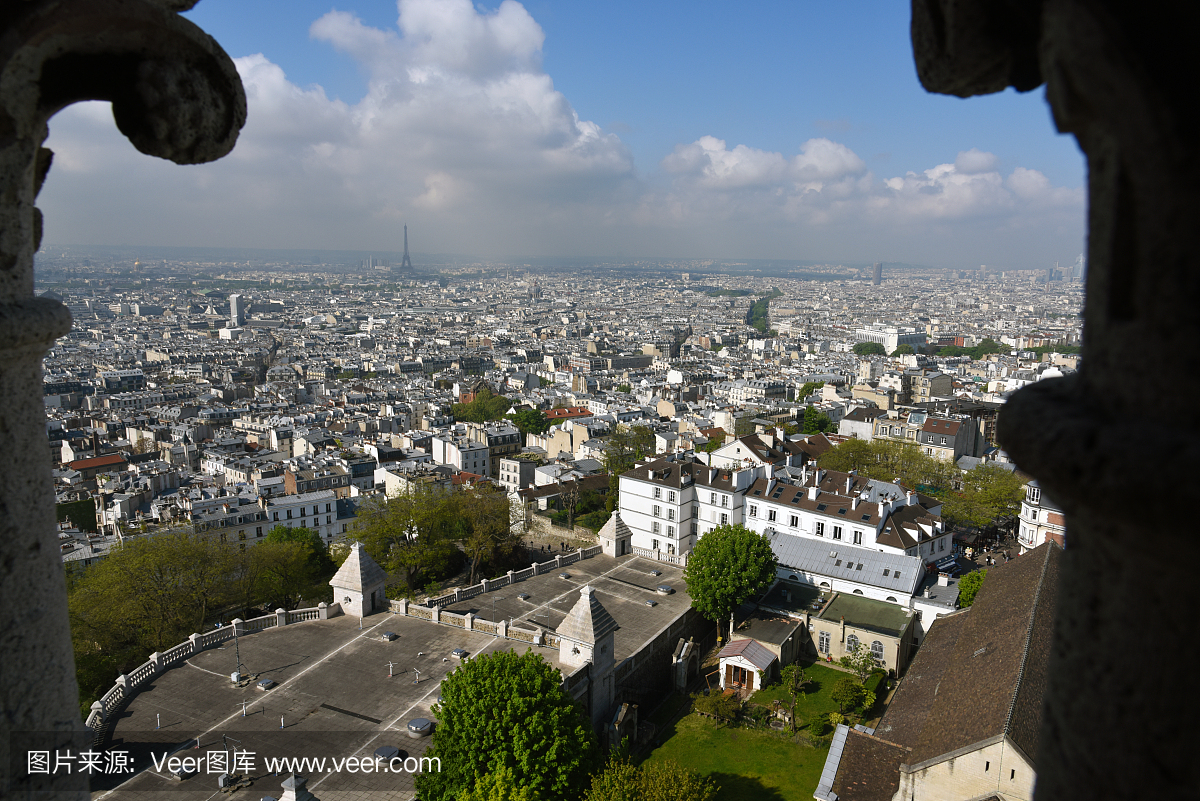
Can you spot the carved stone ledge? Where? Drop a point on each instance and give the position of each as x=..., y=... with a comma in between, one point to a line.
x=32, y=324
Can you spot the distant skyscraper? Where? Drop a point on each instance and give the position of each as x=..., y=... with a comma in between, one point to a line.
x=878, y=277
x=406, y=264
x=237, y=311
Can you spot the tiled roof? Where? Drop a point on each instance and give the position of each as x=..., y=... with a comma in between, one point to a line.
x=982, y=673
x=749, y=650
x=359, y=572
x=869, y=768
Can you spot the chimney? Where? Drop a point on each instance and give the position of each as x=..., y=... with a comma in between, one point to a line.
x=849, y=483
x=854, y=502
x=813, y=492
x=882, y=508
x=908, y=498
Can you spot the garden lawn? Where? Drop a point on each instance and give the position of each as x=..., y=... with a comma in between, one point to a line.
x=753, y=764
x=747, y=764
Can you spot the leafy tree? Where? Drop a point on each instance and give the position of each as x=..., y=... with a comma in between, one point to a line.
x=626, y=445
x=816, y=422
x=860, y=662
x=717, y=704
x=499, y=785
x=411, y=534
x=968, y=587
x=902, y=350
x=530, y=421
x=486, y=406
x=508, y=711
x=623, y=388
x=618, y=780
x=484, y=512
x=728, y=566
x=847, y=693
x=794, y=681
x=869, y=349
x=714, y=442
x=667, y=780
x=322, y=562
x=809, y=388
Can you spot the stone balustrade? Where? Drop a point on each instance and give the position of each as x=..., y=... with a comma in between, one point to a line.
x=127, y=684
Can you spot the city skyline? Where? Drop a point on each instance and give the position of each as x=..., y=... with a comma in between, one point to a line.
x=515, y=131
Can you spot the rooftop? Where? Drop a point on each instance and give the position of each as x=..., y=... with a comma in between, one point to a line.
x=866, y=613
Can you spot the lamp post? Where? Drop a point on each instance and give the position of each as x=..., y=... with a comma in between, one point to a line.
x=494, y=599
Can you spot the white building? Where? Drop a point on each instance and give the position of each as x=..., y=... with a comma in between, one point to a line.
x=1041, y=519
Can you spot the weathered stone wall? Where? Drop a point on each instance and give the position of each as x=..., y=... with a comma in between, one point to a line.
x=1120, y=77
x=176, y=95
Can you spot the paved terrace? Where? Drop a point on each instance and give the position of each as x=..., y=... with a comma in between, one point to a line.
x=333, y=693
x=622, y=585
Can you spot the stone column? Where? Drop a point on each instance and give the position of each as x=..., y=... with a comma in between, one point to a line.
x=156, y=660
x=196, y=646
x=403, y=606
x=322, y=611
x=1115, y=78
x=436, y=614
x=486, y=585
x=502, y=628
x=176, y=95
x=469, y=621
x=281, y=617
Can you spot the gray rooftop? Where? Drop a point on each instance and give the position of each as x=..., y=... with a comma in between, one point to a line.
x=847, y=562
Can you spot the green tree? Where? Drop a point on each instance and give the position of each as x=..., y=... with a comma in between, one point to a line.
x=508, y=710
x=500, y=785
x=728, y=566
x=667, y=780
x=530, y=421
x=653, y=780
x=626, y=445
x=411, y=534
x=714, y=442
x=902, y=350
x=484, y=512
x=623, y=388
x=794, y=681
x=869, y=349
x=968, y=587
x=847, y=693
x=816, y=422
x=860, y=662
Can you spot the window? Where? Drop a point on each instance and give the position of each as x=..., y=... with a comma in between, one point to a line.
x=654, y=543
x=1035, y=494
x=858, y=538
x=712, y=498
x=851, y=642
x=671, y=532
x=794, y=521
x=724, y=500
x=695, y=528
x=671, y=496
x=877, y=650
x=823, y=642
x=943, y=440
x=771, y=515
x=885, y=572
x=657, y=492
x=258, y=531
x=289, y=514
x=657, y=511
x=820, y=529
x=724, y=520
x=276, y=516
x=837, y=532
x=987, y=766
x=655, y=528
x=941, y=545
x=670, y=514
x=753, y=511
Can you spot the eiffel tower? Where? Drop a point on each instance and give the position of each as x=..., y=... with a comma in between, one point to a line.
x=406, y=262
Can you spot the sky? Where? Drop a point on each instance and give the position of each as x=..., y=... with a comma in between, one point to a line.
x=616, y=130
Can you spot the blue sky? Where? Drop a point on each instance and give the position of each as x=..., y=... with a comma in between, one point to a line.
x=793, y=130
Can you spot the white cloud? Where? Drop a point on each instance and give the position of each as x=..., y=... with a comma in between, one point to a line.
x=975, y=160
x=462, y=135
